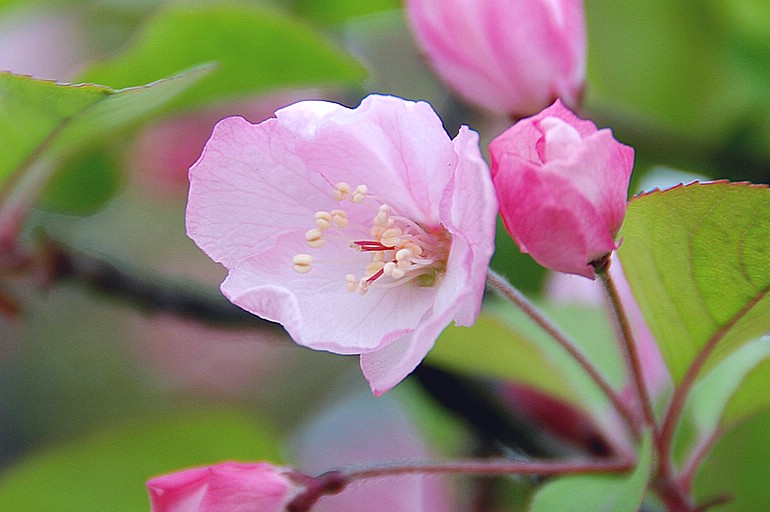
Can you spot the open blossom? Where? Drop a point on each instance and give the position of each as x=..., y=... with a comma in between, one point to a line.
x=224, y=487
x=562, y=186
x=362, y=231
x=512, y=57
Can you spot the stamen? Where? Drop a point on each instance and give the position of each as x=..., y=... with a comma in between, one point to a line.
x=323, y=220
x=340, y=218
x=360, y=194
x=314, y=238
x=350, y=283
x=391, y=237
x=341, y=191
x=301, y=263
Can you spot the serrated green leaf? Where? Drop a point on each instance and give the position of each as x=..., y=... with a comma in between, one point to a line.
x=43, y=122
x=598, y=493
x=108, y=469
x=256, y=50
x=32, y=110
x=698, y=261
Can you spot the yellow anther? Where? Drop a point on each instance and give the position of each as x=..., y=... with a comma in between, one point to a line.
x=360, y=194
x=301, y=263
x=350, y=283
x=403, y=254
x=314, y=238
x=378, y=256
x=323, y=220
x=341, y=191
x=391, y=237
x=340, y=218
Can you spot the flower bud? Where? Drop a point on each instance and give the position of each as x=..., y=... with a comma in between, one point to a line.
x=562, y=187
x=511, y=57
x=229, y=486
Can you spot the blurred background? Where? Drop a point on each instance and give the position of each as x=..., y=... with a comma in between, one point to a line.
x=100, y=389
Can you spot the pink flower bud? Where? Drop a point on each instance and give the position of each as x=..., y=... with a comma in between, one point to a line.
x=562, y=186
x=225, y=487
x=512, y=57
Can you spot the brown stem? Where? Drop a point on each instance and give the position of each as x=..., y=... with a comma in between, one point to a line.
x=627, y=341
x=506, y=290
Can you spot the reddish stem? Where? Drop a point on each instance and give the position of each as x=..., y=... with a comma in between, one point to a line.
x=627, y=341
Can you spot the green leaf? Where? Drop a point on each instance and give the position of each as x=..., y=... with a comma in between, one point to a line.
x=505, y=343
x=752, y=396
x=738, y=466
x=32, y=111
x=492, y=348
x=338, y=11
x=43, y=122
x=675, y=71
x=698, y=261
x=710, y=396
x=108, y=469
x=256, y=50
x=598, y=493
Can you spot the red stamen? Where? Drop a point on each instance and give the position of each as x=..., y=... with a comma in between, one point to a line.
x=375, y=276
x=372, y=245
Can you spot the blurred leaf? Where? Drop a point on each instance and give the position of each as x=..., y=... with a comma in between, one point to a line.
x=519, y=268
x=84, y=183
x=659, y=60
x=256, y=50
x=108, y=469
x=599, y=493
x=42, y=122
x=738, y=465
x=505, y=343
x=492, y=348
x=698, y=261
x=710, y=396
x=338, y=11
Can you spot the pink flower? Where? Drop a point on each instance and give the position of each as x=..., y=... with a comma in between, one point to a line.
x=562, y=186
x=224, y=487
x=362, y=231
x=512, y=57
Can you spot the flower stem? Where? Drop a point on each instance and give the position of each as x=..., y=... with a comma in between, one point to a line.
x=489, y=467
x=627, y=341
x=506, y=290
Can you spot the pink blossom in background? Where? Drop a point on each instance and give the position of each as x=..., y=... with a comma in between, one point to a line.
x=45, y=44
x=164, y=151
x=358, y=429
x=512, y=57
x=224, y=487
x=563, y=188
x=362, y=231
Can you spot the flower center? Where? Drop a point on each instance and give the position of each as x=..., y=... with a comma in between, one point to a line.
x=400, y=249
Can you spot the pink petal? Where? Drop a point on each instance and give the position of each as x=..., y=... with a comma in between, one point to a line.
x=248, y=188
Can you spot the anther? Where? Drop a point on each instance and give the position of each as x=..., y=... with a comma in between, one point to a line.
x=341, y=191
x=391, y=237
x=323, y=220
x=314, y=238
x=360, y=194
x=340, y=218
x=301, y=263
x=350, y=283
